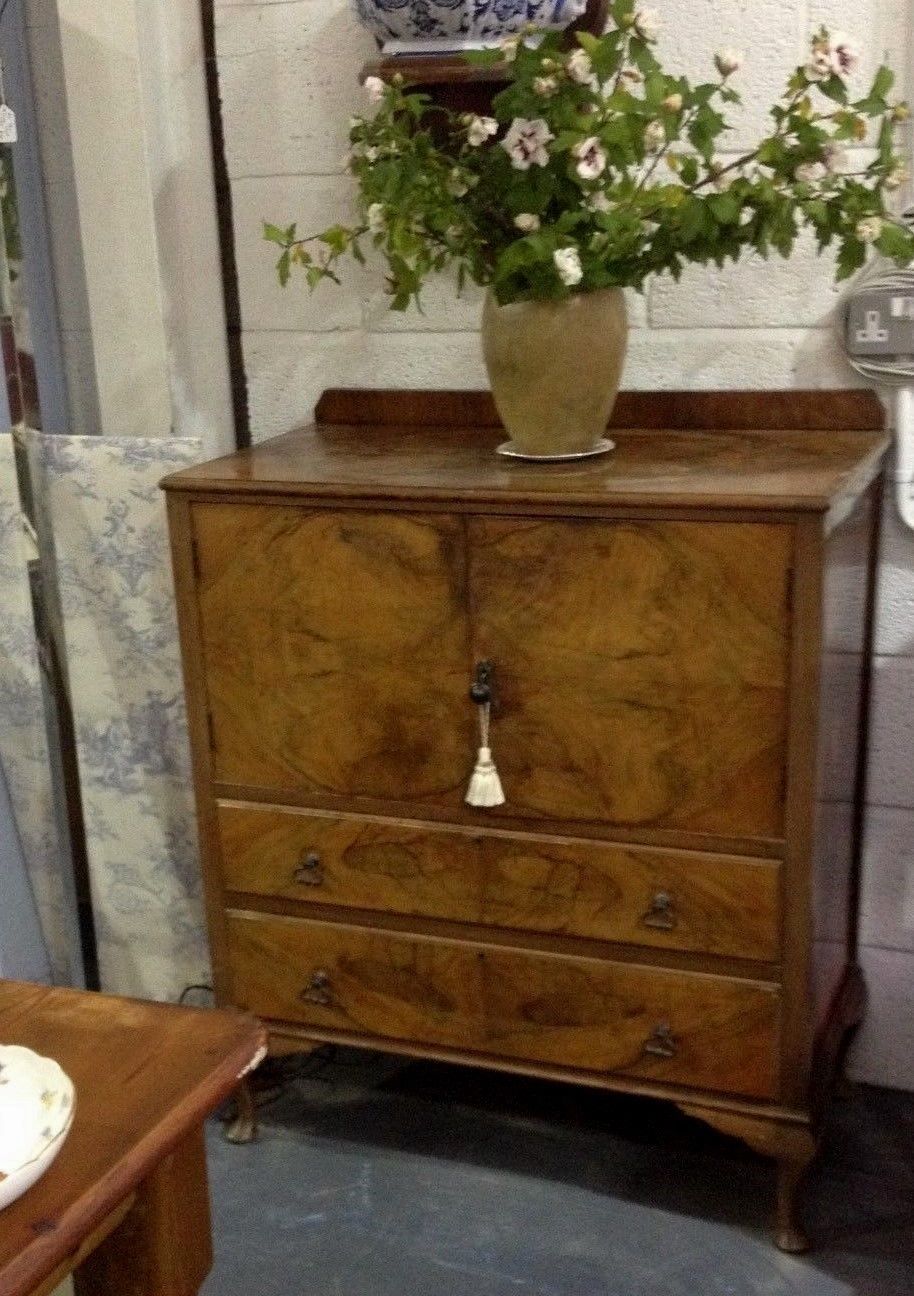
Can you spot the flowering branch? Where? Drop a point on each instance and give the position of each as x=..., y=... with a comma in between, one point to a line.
x=560, y=190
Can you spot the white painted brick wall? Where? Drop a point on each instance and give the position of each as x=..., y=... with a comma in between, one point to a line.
x=288, y=73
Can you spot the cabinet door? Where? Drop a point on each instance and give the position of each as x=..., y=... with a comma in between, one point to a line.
x=641, y=669
x=336, y=650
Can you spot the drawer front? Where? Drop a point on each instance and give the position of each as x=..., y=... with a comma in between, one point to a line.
x=646, y=1023
x=663, y=899
x=641, y=669
x=336, y=652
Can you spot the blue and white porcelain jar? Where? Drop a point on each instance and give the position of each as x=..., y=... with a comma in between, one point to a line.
x=467, y=20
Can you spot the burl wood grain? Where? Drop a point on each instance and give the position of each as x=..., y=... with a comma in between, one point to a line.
x=641, y=669
x=573, y=1012
x=718, y=904
x=335, y=649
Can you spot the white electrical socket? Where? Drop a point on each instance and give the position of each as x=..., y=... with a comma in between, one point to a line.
x=880, y=322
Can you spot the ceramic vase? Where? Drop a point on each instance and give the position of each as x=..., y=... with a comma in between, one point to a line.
x=464, y=19
x=555, y=368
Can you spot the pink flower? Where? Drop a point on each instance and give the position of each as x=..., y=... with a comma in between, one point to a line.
x=591, y=158
x=525, y=143
x=845, y=55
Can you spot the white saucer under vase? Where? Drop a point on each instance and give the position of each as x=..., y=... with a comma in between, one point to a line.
x=37, y=1105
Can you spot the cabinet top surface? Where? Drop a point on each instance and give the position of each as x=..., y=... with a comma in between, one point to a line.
x=696, y=458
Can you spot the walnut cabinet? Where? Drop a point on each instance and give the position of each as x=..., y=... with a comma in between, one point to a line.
x=680, y=638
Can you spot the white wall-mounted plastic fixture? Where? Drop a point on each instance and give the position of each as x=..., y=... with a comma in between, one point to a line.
x=879, y=340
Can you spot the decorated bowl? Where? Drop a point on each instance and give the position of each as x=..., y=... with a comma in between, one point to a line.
x=470, y=20
x=36, y=1111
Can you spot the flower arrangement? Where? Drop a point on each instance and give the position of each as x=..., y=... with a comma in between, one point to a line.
x=598, y=168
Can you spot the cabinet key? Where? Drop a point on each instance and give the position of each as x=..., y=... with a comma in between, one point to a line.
x=317, y=990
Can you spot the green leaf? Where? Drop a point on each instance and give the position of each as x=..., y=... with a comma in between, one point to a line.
x=835, y=89
x=851, y=257
x=283, y=267
x=273, y=234
x=726, y=208
x=882, y=85
x=896, y=243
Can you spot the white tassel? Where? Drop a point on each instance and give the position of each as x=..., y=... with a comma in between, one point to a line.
x=485, y=786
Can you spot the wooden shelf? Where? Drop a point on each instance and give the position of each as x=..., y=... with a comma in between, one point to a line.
x=436, y=70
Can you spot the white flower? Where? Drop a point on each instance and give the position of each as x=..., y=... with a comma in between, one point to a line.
x=598, y=202
x=897, y=177
x=810, y=172
x=654, y=136
x=728, y=61
x=835, y=158
x=525, y=143
x=527, y=222
x=509, y=48
x=545, y=87
x=456, y=183
x=479, y=129
x=869, y=229
x=372, y=153
x=579, y=67
x=845, y=55
x=568, y=263
x=672, y=103
x=377, y=220
x=591, y=158
x=647, y=24
x=818, y=67
x=374, y=88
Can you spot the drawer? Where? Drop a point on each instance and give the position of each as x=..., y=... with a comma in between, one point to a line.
x=664, y=899
x=652, y=1024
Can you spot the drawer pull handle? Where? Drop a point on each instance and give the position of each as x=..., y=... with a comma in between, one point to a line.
x=317, y=990
x=309, y=872
x=661, y=915
x=661, y=1042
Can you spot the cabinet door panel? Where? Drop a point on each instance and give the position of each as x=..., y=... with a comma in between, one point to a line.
x=641, y=669
x=336, y=650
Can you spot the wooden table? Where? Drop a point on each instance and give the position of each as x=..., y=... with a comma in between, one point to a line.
x=125, y=1207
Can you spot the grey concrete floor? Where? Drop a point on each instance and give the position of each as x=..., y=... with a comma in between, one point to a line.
x=375, y=1177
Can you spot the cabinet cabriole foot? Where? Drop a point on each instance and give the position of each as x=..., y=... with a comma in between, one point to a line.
x=790, y=1143
x=789, y=1234
x=242, y=1128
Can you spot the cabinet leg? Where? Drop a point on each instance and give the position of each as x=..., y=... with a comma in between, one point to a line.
x=790, y=1235
x=243, y=1126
